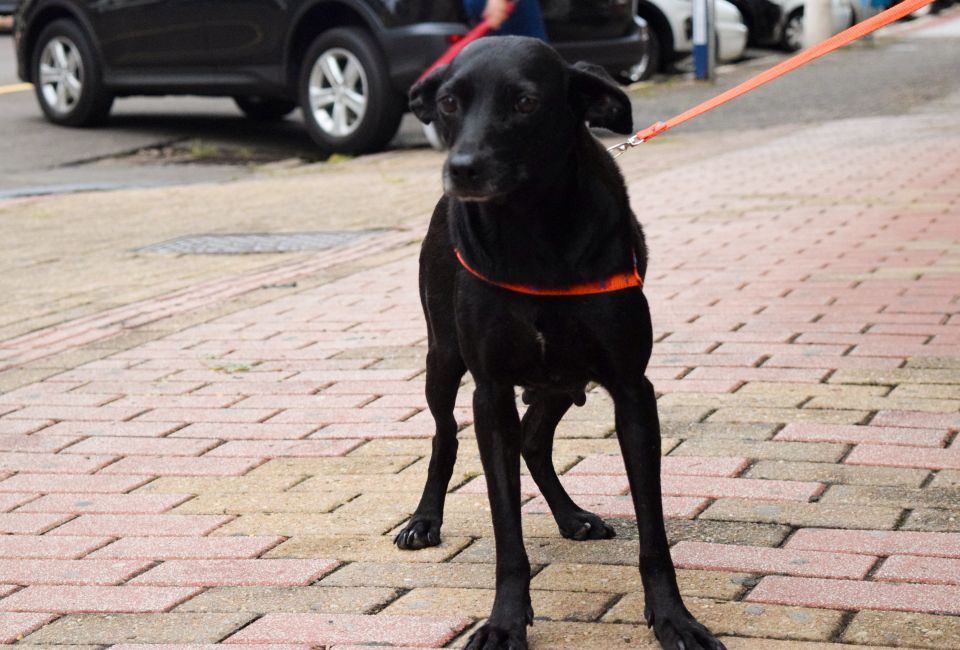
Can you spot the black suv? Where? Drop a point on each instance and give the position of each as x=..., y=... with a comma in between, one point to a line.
x=346, y=63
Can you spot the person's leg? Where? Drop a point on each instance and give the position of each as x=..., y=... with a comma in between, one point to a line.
x=526, y=19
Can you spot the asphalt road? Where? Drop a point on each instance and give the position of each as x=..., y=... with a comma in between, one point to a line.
x=887, y=76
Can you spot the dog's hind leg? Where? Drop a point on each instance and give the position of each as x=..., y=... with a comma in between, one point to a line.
x=638, y=429
x=539, y=425
x=445, y=369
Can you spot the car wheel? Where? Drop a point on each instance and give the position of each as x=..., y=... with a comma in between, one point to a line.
x=792, y=39
x=646, y=67
x=67, y=76
x=348, y=103
x=264, y=109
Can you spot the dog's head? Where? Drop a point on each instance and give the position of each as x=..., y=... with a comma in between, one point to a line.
x=509, y=108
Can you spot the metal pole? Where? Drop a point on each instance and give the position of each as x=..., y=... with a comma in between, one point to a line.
x=817, y=21
x=704, y=39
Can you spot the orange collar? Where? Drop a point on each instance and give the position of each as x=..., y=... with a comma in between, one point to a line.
x=616, y=282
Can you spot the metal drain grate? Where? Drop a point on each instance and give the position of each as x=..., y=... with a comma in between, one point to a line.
x=234, y=244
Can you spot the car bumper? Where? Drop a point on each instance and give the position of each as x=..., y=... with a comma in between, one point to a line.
x=732, y=41
x=411, y=49
x=614, y=54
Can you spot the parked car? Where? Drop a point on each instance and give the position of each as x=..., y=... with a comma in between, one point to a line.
x=788, y=33
x=761, y=18
x=345, y=63
x=671, y=30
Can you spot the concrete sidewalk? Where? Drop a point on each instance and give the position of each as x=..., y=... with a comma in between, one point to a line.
x=231, y=465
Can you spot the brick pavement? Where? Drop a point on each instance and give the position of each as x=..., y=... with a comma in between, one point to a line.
x=237, y=481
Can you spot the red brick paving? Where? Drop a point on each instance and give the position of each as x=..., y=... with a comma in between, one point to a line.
x=884, y=456
x=142, y=446
x=11, y=500
x=70, y=483
x=877, y=542
x=69, y=572
x=133, y=504
x=186, y=548
x=855, y=595
x=49, y=547
x=282, y=448
x=917, y=419
x=752, y=559
x=617, y=506
x=137, y=525
x=929, y=570
x=94, y=599
x=806, y=432
x=38, y=444
x=216, y=573
x=183, y=466
x=16, y=626
x=53, y=463
x=346, y=628
x=20, y=523
x=213, y=646
x=111, y=429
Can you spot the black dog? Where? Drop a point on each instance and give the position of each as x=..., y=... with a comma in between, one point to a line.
x=533, y=200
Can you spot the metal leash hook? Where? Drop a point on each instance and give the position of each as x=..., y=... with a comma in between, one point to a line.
x=637, y=138
x=618, y=149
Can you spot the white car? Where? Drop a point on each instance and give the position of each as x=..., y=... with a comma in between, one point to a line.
x=671, y=30
x=789, y=30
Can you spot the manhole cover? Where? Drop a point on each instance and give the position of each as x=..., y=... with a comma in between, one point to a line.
x=287, y=242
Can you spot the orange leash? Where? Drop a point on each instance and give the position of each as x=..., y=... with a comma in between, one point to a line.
x=825, y=47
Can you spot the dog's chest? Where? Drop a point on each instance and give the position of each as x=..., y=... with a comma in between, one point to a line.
x=530, y=346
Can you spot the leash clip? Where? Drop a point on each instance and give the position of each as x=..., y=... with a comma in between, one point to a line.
x=638, y=138
x=618, y=149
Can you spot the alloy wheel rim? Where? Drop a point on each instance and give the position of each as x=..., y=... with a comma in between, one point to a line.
x=638, y=69
x=338, y=92
x=61, y=74
x=794, y=33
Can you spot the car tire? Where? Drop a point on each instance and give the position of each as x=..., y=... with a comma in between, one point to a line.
x=646, y=67
x=345, y=94
x=264, y=109
x=792, y=38
x=68, y=79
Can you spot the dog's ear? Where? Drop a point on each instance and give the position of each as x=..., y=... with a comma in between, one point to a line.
x=597, y=98
x=423, y=95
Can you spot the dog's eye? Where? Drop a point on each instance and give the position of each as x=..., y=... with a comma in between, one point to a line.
x=448, y=104
x=527, y=104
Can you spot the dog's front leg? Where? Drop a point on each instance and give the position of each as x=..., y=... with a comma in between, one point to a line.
x=498, y=436
x=444, y=370
x=638, y=430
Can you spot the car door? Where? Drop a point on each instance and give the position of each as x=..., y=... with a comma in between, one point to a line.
x=587, y=20
x=245, y=33
x=150, y=33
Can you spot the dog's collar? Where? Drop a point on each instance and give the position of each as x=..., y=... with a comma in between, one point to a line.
x=615, y=282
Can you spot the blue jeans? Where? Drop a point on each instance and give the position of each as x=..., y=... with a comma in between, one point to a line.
x=526, y=19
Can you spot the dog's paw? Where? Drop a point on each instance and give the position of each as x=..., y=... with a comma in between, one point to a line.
x=677, y=629
x=583, y=525
x=418, y=533
x=490, y=637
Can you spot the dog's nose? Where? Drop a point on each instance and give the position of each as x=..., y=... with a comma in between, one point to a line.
x=463, y=167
